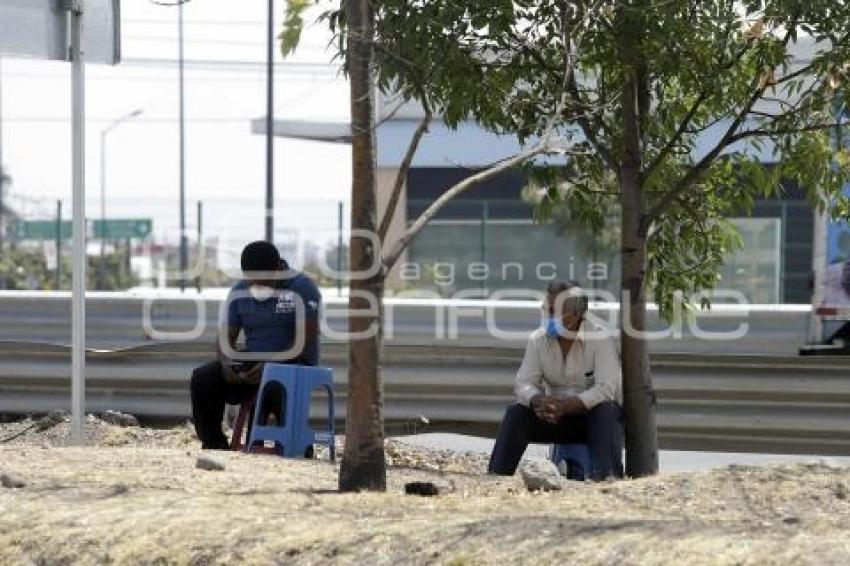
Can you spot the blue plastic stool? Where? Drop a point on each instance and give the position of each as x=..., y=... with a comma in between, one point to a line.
x=577, y=457
x=294, y=435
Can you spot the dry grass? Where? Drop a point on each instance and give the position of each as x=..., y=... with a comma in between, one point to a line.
x=134, y=504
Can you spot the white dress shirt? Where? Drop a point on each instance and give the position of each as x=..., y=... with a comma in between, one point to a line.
x=591, y=370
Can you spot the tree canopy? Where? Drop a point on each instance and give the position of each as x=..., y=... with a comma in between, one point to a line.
x=722, y=86
x=669, y=110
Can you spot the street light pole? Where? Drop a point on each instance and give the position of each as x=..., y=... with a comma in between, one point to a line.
x=2, y=170
x=58, y=244
x=101, y=273
x=184, y=252
x=201, y=258
x=270, y=125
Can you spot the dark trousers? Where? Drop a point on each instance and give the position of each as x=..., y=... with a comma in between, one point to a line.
x=601, y=429
x=210, y=392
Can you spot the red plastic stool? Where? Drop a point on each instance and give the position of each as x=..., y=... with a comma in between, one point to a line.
x=245, y=415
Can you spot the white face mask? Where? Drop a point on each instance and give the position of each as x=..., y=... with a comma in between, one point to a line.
x=261, y=292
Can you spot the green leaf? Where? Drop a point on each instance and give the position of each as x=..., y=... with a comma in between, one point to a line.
x=293, y=25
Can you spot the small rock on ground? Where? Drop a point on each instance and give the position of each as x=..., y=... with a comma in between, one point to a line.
x=209, y=463
x=11, y=482
x=428, y=488
x=541, y=475
x=120, y=419
x=50, y=420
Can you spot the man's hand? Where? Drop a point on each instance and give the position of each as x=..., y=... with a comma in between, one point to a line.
x=553, y=409
x=253, y=375
x=544, y=406
x=536, y=402
x=229, y=375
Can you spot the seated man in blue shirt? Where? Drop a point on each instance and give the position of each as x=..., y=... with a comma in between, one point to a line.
x=266, y=305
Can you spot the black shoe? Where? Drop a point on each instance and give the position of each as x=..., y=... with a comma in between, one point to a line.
x=309, y=453
x=217, y=444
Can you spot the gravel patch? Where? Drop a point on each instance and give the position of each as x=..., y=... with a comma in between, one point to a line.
x=135, y=496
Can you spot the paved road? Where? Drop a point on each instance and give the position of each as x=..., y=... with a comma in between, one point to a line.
x=670, y=460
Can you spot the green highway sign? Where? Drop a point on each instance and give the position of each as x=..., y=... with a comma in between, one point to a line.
x=41, y=229
x=122, y=229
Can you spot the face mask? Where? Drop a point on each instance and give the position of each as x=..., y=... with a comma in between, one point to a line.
x=261, y=292
x=554, y=327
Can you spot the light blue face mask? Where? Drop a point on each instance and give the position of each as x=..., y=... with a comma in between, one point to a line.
x=554, y=327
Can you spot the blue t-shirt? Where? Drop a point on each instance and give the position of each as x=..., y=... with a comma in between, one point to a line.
x=269, y=325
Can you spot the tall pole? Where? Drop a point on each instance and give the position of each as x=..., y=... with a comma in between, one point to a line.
x=58, y=244
x=101, y=266
x=184, y=253
x=485, y=217
x=2, y=170
x=341, y=208
x=270, y=125
x=78, y=304
x=128, y=259
x=101, y=271
x=200, y=244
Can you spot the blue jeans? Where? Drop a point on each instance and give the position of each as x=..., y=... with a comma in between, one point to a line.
x=601, y=429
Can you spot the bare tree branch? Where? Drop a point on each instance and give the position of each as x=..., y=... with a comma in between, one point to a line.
x=680, y=131
x=391, y=257
x=571, y=86
x=391, y=114
x=543, y=146
x=686, y=121
x=401, y=177
x=782, y=131
x=697, y=171
x=589, y=130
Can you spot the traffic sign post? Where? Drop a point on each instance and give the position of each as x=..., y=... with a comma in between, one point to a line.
x=78, y=217
x=126, y=229
x=53, y=29
x=39, y=29
x=122, y=229
x=43, y=230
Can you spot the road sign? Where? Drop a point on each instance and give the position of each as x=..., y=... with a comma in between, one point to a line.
x=122, y=229
x=39, y=29
x=42, y=229
x=53, y=29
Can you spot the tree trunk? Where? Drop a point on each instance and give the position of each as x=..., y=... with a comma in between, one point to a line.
x=638, y=395
x=363, y=462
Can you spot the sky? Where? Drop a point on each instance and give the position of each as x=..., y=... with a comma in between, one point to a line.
x=224, y=88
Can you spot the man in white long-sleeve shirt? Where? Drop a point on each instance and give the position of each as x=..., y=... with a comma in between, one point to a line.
x=568, y=388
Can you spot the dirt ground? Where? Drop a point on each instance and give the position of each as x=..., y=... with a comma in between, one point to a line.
x=135, y=497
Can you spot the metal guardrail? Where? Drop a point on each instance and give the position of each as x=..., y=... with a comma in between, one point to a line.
x=730, y=402
x=116, y=320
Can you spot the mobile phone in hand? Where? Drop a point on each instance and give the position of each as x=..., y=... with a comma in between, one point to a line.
x=239, y=367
